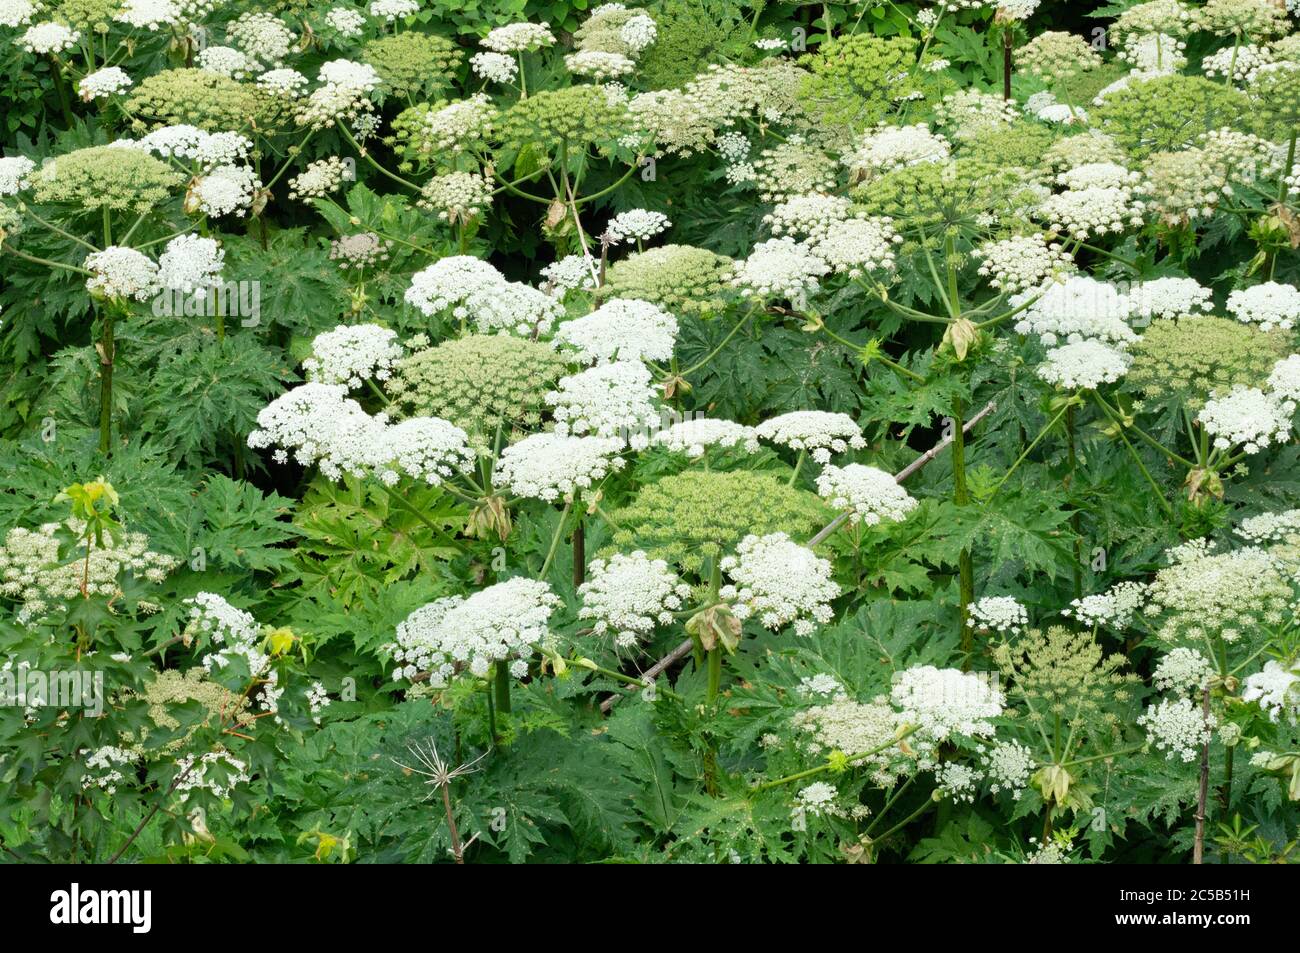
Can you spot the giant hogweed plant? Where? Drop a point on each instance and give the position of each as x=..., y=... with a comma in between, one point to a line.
x=870, y=442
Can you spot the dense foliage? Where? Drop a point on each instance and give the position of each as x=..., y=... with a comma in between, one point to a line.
x=706, y=431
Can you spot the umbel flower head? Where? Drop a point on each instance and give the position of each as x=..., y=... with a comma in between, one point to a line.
x=869, y=495
x=681, y=279
x=121, y=180
x=818, y=432
x=627, y=595
x=621, y=329
x=779, y=583
x=1195, y=357
x=610, y=400
x=551, y=466
x=351, y=354
x=479, y=382
x=502, y=624
x=691, y=517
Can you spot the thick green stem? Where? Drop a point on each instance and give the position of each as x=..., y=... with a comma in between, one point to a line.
x=106, y=349
x=1076, y=517
x=965, y=565
x=503, y=687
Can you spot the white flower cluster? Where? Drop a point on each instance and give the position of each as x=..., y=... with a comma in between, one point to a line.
x=1008, y=765
x=32, y=572
x=621, y=329
x=519, y=37
x=473, y=291
x=1269, y=305
x=322, y=426
x=360, y=251
x=613, y=400
x=635, y=225
x=457, y=197
x=817, y=799
x=1169, y=298
x=1178, y=727
x=887, y=148
x=226, y=61
x=779, y=582
x=149, y=15
x=628, y=595
x=457, y=125
x=1242, y=61
x=956, y=780
x=1022, y=262
x=232, y=632
x=1154, y=54
x=1114, y=608
x=214, y=618
x=108, y=81
x=549, y=466
x=1204, y=593
x=501, y=623
x=318, y=700
x=263, y=37
x=809, y=215
x=391, y=10
x=1247, y=417
x=947, y=701
x=599, y=65
x=693, y=436
x=869, y=495
x=1076, y=309
x=49, y=38
x=193, y=775
x=853, y=728
x=13, y=174
x=1099, y=175
x=819, y=432
x=494, y=67
x=283, y=82
x=780, y=268
x=205, y=150
x=638, y=32
x=1090, y=212
x=105, y=768
x=1182, y=670
x=856, y=246
x=16, y=13
x=121, y=272
x=348, y=23
x=351, y=354
x=320, y=178
x=191, y=263
x=1277, y=690
x=570, y=273
x=1270, y=527
x=343, y=94
x=1004, y=614
x=226, y=190
x=1083, y=365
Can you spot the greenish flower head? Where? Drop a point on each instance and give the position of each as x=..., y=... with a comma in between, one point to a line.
x=967, y=197
x=1192, y=358
x=701, y=515
x=477, y=382
x=856, y=80
x=1168, y=113
x=1085, y=148
x=1275, y=94
x=211, y=101
x=1020, y=144
x=682, y=279
x=125, y=180
x=94, y=16
x=577, y=115
x=413, y=64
